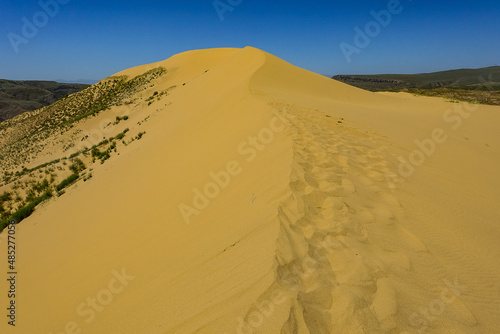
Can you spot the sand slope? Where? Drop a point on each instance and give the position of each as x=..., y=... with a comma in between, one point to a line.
x=310, y=225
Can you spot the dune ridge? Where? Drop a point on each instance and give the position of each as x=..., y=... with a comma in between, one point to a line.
x=315, y=231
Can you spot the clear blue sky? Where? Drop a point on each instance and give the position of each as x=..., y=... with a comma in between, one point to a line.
x=90, y=39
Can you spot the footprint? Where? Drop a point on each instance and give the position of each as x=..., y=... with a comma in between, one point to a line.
x=385, y=304
x=348, y=186
x=389, y=199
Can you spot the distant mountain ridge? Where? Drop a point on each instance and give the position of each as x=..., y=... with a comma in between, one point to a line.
x=79, y=81
x=451, y=78
x=17, y=97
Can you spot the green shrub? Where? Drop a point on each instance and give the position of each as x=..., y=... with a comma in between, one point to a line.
x=26, y=211
x=30, y=196
x=4, y=216
x=75, y=154
x=77, y=166
x=6, y=179
x=95, y=152
x=67, y=182
x=5, y=197
x=105, y=156
x=118, y=119
x=41, y=186
x=3, y=224
x=104, y=142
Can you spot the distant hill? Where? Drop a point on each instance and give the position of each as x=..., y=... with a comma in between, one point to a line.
x=453, y=78
x=471, y=85
x=17, y=97
x=79, y=81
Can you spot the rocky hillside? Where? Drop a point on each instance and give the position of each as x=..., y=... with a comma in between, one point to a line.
x=17, y=97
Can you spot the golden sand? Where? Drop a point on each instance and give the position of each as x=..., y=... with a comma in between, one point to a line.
x=268, y=199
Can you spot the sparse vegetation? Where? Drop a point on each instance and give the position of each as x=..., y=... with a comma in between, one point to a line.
x=41, y=186
x=24, y=140
x=5, y=197
x=75, y=154
x=482, y=95
x=87, y=177
x=104, y=155
x=20, y=146
x=119, y=119
x=77, y=166
x=157, y=95
x=25, y=170
x=26, y=210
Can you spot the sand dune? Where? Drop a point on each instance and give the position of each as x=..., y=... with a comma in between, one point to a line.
x=268, y=199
